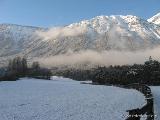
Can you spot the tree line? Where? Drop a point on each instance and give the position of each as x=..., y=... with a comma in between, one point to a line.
x=147, y=73
x=18, y=67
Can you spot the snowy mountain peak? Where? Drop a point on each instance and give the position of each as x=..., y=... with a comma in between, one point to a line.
x=155, y=19
x=115, y=32
x=102, y=24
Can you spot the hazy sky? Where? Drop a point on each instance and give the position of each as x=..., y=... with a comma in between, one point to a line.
x=50, y=13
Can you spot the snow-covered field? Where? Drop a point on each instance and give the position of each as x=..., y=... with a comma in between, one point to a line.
x=156, y=95
x=65, y=99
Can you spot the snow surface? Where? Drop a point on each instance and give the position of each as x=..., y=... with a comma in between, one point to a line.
x=156, y=95
x=65, y=99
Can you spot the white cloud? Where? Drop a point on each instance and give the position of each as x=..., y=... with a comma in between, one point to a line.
x=58, y=32
x=104, y=58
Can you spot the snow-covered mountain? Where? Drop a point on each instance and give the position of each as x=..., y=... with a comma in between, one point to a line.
x=155, y=19
x=114, y=32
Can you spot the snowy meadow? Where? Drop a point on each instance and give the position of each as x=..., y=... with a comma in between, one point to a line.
x=65, y=99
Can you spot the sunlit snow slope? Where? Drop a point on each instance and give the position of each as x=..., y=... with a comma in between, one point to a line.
x=155, y=19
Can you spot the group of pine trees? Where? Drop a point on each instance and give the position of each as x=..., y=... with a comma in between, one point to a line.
x=18, y=67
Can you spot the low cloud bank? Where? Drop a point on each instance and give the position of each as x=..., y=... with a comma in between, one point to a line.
x=58, y=32
x=104, y=58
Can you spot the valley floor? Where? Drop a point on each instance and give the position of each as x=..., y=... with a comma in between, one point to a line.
x=65, y=99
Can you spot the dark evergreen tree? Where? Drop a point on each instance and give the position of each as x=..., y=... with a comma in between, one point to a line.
x=35, y=66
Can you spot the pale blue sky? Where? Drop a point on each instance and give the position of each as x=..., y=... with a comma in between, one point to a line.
x=49, y=13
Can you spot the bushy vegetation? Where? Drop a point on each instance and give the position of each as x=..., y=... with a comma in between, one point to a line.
x=18, y=67
x=147, y=73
